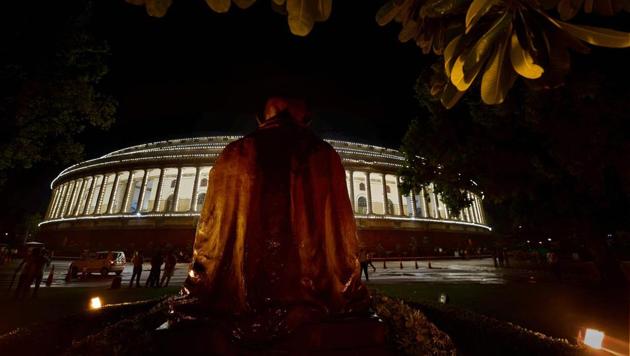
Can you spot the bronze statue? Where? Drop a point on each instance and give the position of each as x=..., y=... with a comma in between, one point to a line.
x=276, y=244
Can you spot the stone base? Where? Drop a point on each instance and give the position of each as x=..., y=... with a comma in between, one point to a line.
x=342, y=336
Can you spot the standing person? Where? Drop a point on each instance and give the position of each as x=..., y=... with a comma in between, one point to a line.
x=136, y=260
x=40, y=262
x=369, y=261
x=363, y=261
x=169, y=268
x=154, y=274
x=27, y=274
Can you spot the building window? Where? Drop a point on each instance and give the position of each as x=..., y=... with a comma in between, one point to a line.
x=204, y=182
x=200, y=198
x=362, y=205
x=173, y=183
x=388, y=189
x=362, y=187
x=390, y=206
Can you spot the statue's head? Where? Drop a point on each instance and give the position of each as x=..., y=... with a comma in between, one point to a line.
x=293, y=109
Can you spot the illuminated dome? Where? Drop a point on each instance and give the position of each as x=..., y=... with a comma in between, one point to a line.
x=151, y=194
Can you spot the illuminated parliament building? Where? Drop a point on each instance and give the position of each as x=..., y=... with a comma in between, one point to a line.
x=150, y=196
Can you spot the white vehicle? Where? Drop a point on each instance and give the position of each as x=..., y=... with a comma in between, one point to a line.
x=103, y=262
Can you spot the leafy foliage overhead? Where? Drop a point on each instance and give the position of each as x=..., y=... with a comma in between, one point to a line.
x=50, y=88
x=301, y=14
x=552, y=159
x=496, y=41
x=491, y=42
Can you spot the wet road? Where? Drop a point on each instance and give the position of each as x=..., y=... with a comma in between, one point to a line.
x=95, y=280
x=445, y=271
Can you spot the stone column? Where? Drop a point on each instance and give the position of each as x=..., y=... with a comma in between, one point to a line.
x=193, y=201
x=125, y=202
x=423, y=197
x=158, y=193
x=99, y=200
x=53, y=199
x=175, y=201
x=112, y=194
x=482, y=214
x=385, y=203
x=90, y=194
x=414, y=204
x=143, y=187
x=75, y=209
x=401, y=211
x=66, y=209
x=369, y=193
x=55, y=210
x=476, y=202
x=435, y=204
x=352, y=198
x=446, y=215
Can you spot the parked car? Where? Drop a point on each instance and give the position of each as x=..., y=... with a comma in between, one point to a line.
x=103, y=262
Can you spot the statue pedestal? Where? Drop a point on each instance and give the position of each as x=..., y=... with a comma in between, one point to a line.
x=342, y=336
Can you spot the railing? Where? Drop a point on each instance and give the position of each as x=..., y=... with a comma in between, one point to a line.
x=416, y=259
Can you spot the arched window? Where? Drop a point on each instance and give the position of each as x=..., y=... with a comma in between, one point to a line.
x=204, y=183
x=200, y=198
x=362, y=187
x=362, y=205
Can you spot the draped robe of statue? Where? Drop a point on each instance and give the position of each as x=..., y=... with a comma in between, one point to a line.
x=276, y=243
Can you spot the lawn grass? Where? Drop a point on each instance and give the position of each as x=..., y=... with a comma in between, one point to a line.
x=556, y=310
x=54, y=303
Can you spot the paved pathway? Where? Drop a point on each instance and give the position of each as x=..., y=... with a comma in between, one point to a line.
x=445, y=271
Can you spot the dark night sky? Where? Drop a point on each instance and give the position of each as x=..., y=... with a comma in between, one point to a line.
x=196, y=72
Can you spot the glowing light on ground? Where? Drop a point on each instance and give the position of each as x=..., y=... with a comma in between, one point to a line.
x=95, y=303
x=593, y=338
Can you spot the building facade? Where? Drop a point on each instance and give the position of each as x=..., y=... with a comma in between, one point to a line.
x=150, y=195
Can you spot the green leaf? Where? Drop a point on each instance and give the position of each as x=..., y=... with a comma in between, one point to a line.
x=476, y=10
x=244, y=4
x=158, y=8
x=522, y=61
x=498, y=77
x=450, y=96
x=597, y=36
x=440, y=8
x=449, y=54
x=387, y=13
x=219, y=6
x=324, y=8
x=302, y=14
x=409, y=31
x=468, y=65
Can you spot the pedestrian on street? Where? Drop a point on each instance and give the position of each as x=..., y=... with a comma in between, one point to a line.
x=27, y=270
x=169, y=268
x=154, y=274
x=363, y=260
x=41, y=262
x=136, y=260
x=369, y=261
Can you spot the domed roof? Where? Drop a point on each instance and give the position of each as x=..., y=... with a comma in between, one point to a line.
x=205, y=150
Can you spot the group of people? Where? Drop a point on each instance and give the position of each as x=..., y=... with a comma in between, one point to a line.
x=31, y=271
x=500, y=257
x=169, y=260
